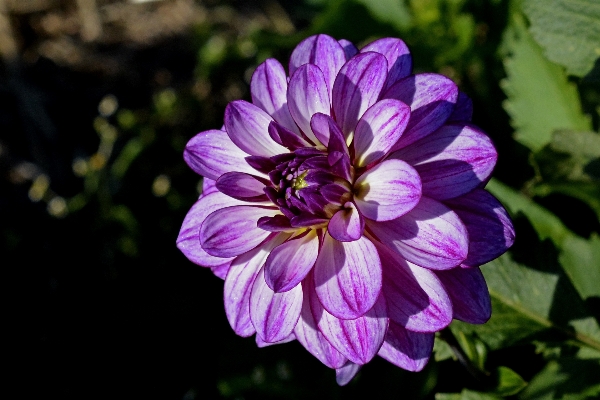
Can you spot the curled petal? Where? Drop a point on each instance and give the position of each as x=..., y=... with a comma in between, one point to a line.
x=452, y=161
x=248, y=127
x=431, y=98
x=269, y=92
x=261, y=343
x=212, y=153
x=285, y=137
x=406, y=349
x=188, y=240
x=347, y=224
x=397, y=55
x=307, y=95
x=379, y=129
x=469, y=294
x=344, y=375
x=274, y=315
x=238, y=285
x=348, y=277
x=357, y=88
x=233, y=230
x=349, y=48
x=242, y=186
x=289, y=262
x=208, y=186
x=490, y=229
x=328, y=133
x=430, y=235
x=388, y=191
x=221, y=271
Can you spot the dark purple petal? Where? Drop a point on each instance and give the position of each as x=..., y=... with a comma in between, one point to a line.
x=344, y=375
x=307, y=95
x=289, y=262
x=335, y=193
x=261, y=343
x=286, y=137
x=261, y=164
x=278, y=223
x=212, y=153
x=378, y=130
x=398, y=58
x=347, y=224
x=430, y=235
x=248, y=127
x=242, y=186
x=357, y=88
x=232, y=231
x=463, y=110
x=274, y=315
x=328, y=133
x=349, y=48
x=324, y=52
x=490, y=229
x=269, y=92
x=307, y=221
x=451, y=161
x=431, y=98
x=188, y=240
x=357, y=339
x=405, y=349
x=388, y=191
x=469, y=294
x=348, y=277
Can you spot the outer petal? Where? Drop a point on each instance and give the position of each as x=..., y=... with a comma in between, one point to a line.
x=357, y=339
x=208, y=186
x=388, y=191
x=269, y=92
x=349, y=48
x=289, y=262
x=416, y=298
x=188, y=240
x=406, y=349
x=357, y=88
x=463, y=110
x=221, y=271
x=347, y=224
x=431, y=98
x=307, y=95
x=452, y=161
x=469, y=294
x=430, y=235
x=238, y=285
x=344, y=375
x=378, y=130
x=232, y=231
x=261, y=343
x=397, y=55
x=324, y=52
x=212, y=153
x=348, y=277
x=274, y=315
x=248, y=127
x=242, y=186
x=490, y=229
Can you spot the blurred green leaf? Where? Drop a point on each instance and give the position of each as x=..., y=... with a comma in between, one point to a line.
x=508, y=381
x=569, y=31
x=474, y=348
x=393, y=12
x=442, y=350
x=466, y=394
x=540, y=99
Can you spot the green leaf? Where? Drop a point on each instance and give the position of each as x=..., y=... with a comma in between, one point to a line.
x=508, y=381
x=394, y=12
x=569, y=31
x=442, y=350
x=540, y=99
x=466, y=394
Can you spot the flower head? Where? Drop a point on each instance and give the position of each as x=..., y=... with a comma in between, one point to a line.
x=344, y=206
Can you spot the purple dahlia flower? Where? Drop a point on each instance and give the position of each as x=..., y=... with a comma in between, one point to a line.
x=344, y=206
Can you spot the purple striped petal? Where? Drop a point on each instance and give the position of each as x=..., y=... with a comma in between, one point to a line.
x=307, y=95
x=232, y=231
x=415, y=296
x=309, y=335
x=349, y=48
x=212, y=153
x=344, y=375
x=188, y=240
x=208, y=186
x=289, y=262
x=347, y=224
x=261, y=343
x=238, y=285
x=430, y=235
x=242, y=186
x=378, y=130
x=220, y=271
x=328, y=133
x=398, y=58
x=431, y=98
x=274, y=315
x=248, y=127
x=357, y=339
x=469, y=294
x=324, y=52
x=285, y=137
x=452, y=161
x=268, y=88
x=357, y=88
x=405, y=349
x=388, y=191
x=490, y=229
x=463, y=110
x=348, y=277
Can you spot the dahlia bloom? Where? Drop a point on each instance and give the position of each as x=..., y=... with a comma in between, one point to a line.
x=344, y=206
